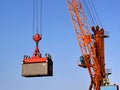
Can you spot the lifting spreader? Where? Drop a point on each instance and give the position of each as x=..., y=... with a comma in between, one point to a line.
x=37, y=65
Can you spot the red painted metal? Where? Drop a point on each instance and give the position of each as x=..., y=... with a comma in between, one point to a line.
x=35, y=60
x=36, y=57
x=37, y=38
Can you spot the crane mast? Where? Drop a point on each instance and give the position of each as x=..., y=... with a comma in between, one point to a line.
x=86, y=44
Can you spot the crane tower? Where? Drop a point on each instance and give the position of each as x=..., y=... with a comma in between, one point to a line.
x=91, y=46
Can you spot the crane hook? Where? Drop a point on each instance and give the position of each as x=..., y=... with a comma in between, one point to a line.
x=37, y=38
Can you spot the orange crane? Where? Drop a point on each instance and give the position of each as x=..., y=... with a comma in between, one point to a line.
x=91, y=46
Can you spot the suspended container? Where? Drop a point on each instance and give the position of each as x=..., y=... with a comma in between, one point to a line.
x=37, y=66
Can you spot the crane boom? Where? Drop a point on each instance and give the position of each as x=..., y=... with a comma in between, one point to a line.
x=85, y=42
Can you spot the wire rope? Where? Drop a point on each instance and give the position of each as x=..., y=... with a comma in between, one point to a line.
x=37, y=13
x=36, y=16
x=96, y=13
x=88, y=13
x=92, y=11
x=41, y=8
x=33, y=16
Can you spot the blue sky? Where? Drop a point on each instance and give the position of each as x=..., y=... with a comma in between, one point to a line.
x=58, y=39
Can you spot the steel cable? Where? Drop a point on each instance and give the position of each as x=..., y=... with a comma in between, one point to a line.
x=37, y=25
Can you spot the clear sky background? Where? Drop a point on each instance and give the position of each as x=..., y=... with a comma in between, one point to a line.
x=58, y=39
